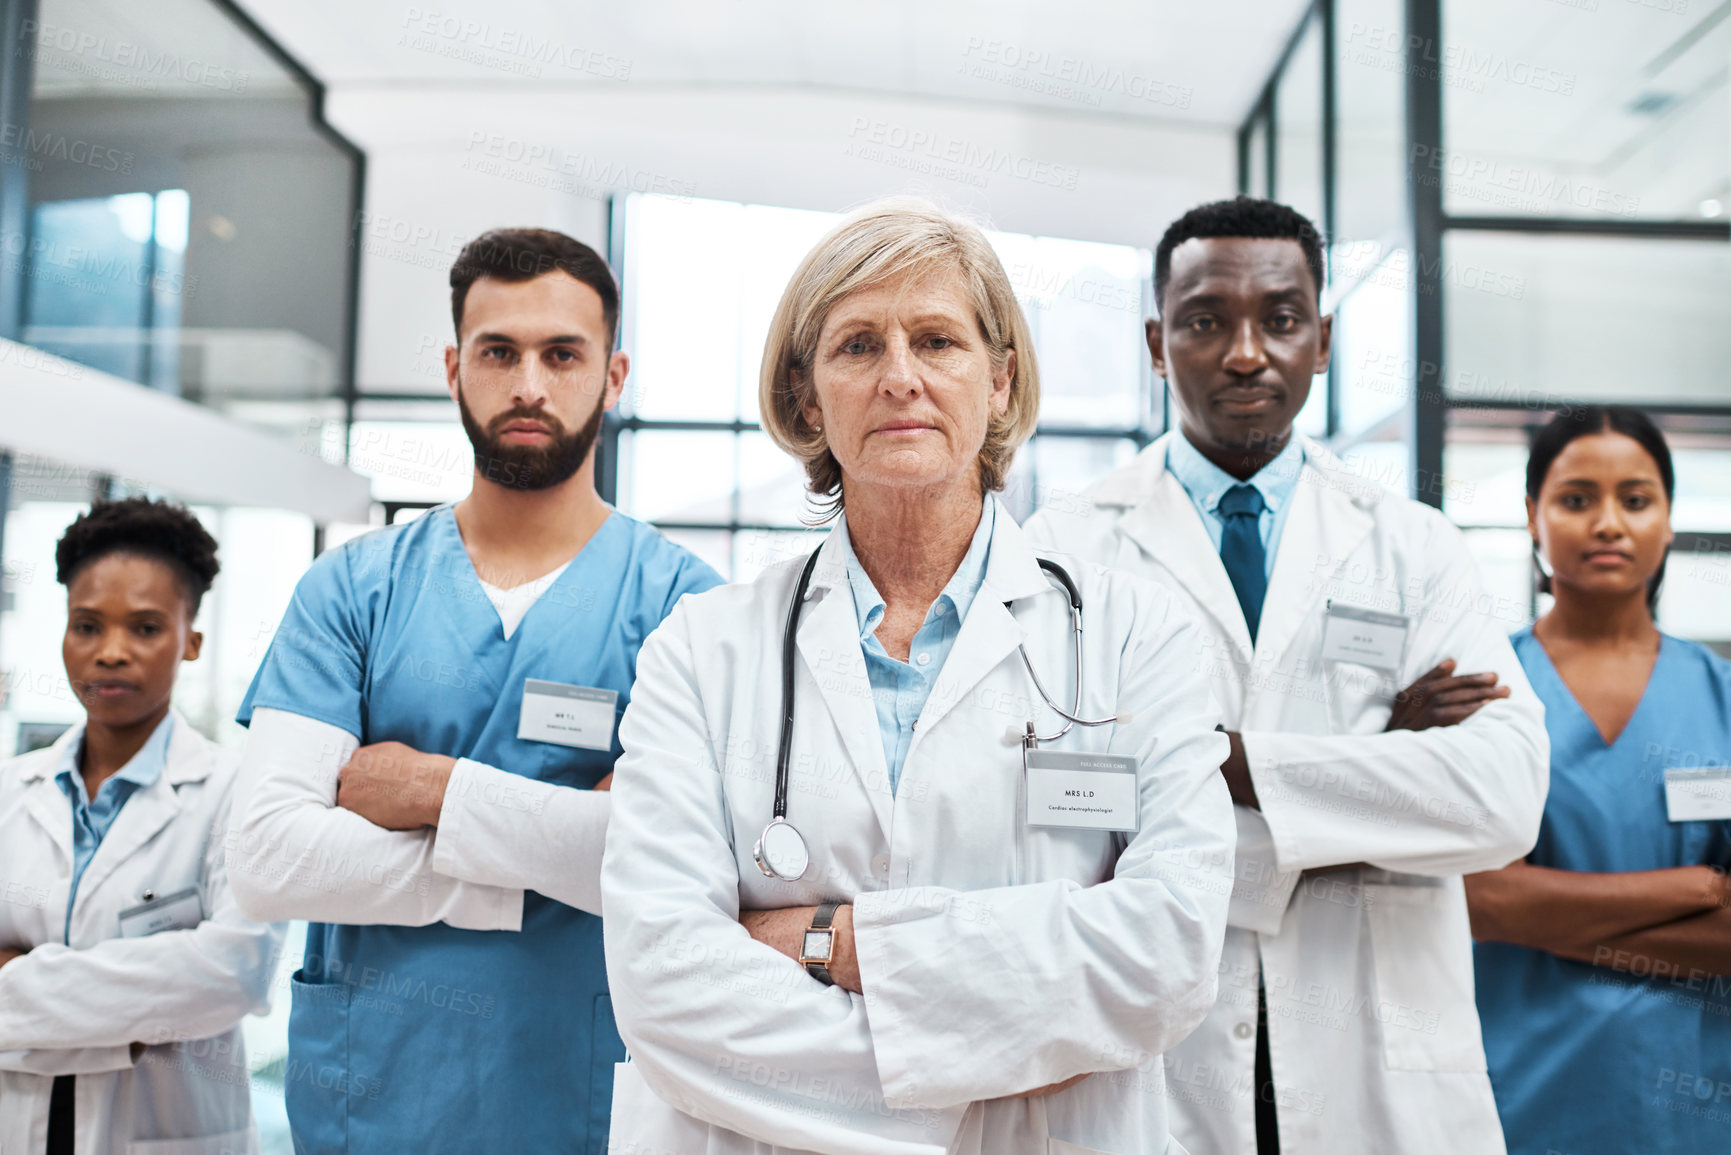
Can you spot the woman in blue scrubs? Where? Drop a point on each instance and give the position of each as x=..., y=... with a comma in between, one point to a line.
x=1604, y=958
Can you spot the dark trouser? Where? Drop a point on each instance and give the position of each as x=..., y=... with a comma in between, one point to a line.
x=61, y=1102
x=1267, y=1126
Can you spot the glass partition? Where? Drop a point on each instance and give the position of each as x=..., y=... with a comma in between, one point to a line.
x=1542, y=319
x=1608, y=111
x=1370, y=130
x=190, y=222
x=1298, y=126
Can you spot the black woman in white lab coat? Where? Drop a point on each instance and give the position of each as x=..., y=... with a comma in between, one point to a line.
x=125, y=968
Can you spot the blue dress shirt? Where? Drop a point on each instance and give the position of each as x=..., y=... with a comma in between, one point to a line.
x=1207, y=483
x=92, y=818
x=900, y=689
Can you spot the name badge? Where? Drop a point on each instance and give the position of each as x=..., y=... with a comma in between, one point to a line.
x=1368, y=637
x=579, y=716
x=1082, y=791
x=181, y=910
x=1699, y=794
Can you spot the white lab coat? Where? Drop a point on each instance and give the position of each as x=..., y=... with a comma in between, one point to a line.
x=1373, y=1031
x=996, y=957
x=294, y=853
x=78, y=1008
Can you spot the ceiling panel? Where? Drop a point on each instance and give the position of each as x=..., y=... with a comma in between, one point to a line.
x=1156, y=59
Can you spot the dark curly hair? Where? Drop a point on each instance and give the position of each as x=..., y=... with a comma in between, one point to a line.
x=137, y=525
x=1241, y=216
x=517, y=255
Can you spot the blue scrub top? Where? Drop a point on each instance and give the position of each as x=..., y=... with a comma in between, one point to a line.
x=427, y=1039
x=1586, y=1060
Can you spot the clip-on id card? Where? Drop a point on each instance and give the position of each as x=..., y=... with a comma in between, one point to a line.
x=1081, y=791
x=1368, y=637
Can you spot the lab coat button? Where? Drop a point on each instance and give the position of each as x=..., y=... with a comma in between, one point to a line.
x=1244, y=1030
x=881, y=865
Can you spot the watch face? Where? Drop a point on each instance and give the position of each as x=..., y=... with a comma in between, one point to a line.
x=818, y=944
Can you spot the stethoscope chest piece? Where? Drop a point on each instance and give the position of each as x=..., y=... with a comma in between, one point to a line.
x=780, y=851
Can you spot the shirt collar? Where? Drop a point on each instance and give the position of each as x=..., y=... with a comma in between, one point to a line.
x=141, y=770
x=959, y=591
x=1207, y=483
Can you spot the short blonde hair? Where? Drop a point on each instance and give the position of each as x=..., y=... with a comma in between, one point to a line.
x=883, y=241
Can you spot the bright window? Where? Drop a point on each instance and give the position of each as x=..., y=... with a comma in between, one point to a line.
x=701, y=279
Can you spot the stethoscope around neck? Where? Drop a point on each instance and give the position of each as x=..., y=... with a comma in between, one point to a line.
x=781, y=851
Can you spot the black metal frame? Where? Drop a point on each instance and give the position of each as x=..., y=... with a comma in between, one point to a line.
x=16, y=69
x=1265, y=112
x=17, y=76
x=315, y=91
x=1424, y=129
x=1580, y=227
x=1428, y=224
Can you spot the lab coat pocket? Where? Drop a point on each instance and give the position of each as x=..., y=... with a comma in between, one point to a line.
x=317, y=1083
x=1422, y=951
x=603, y=1058
x=1059, y=1147
x=228, y=1143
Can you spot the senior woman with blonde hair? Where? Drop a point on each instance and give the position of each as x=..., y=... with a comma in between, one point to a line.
x=848, y=908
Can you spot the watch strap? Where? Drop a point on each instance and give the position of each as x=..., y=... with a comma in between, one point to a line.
x=820, y=920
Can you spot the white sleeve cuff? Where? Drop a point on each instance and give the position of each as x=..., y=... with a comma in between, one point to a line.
x=1261, y=891
x=79, y=1061
x=461, y=789
x=502, y=829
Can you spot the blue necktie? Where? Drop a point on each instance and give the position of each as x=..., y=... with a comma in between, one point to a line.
x=1241, y=550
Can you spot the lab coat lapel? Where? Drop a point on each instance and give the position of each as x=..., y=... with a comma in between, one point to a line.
x=990, y=632
x=828, y=641
x=46, y=802
x=1163, y=520
x=150, y=808
x=1323, y=528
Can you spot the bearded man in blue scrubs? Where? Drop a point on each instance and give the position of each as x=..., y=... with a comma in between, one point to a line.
x=433, y=730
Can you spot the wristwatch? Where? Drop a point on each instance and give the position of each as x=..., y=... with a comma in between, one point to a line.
x=818, y=946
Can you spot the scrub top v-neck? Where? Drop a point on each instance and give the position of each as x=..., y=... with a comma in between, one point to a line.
x=432, y=1038
x=1585, y=1059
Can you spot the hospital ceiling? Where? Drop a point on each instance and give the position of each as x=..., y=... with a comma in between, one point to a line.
x=1173, y=60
